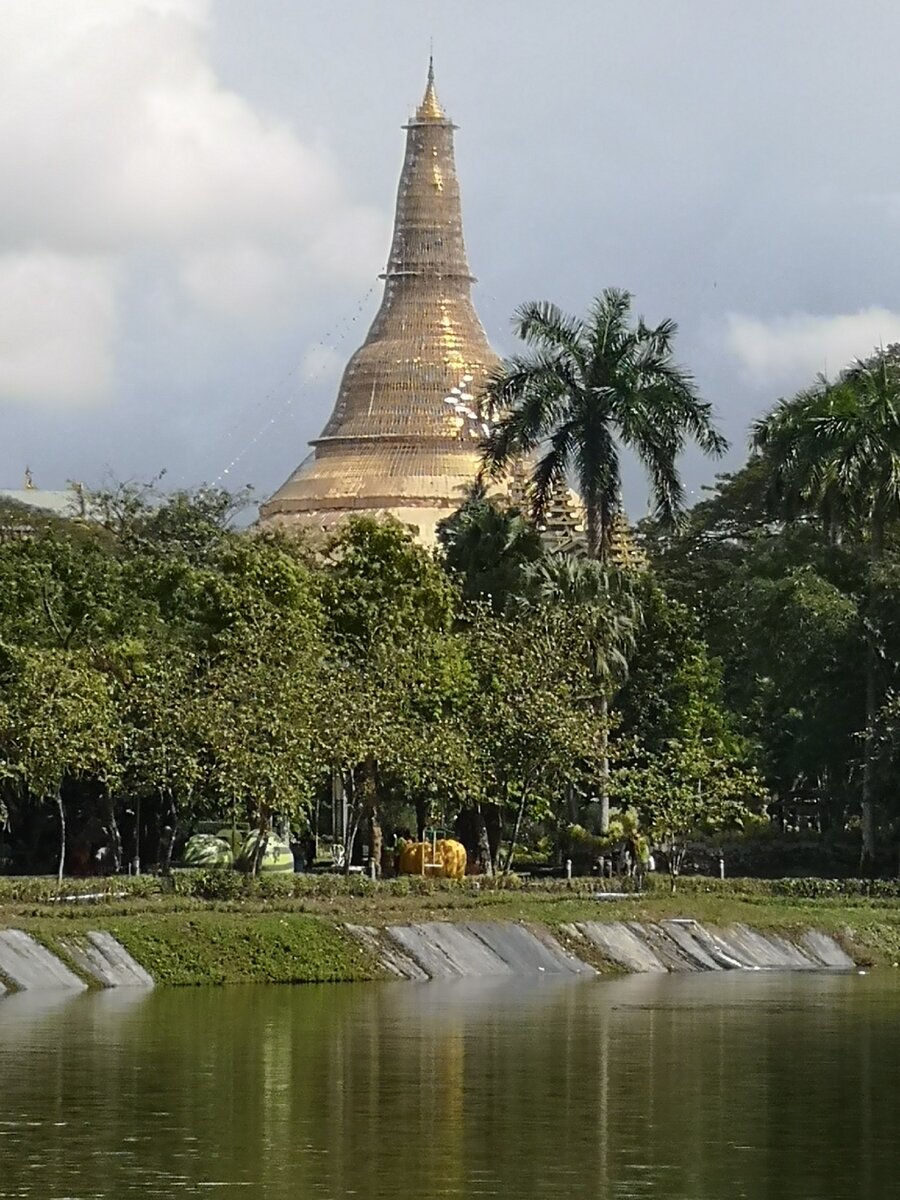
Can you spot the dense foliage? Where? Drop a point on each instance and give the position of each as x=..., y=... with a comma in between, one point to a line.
x=737, y=693
x=160, y=670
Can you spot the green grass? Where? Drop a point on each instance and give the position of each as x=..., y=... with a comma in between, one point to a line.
x=287, y=933
x=210, y=947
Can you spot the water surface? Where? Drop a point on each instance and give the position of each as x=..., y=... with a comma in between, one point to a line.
x=704, y=1087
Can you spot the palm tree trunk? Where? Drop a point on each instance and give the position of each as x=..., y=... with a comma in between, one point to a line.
x=603, y=782
x=594, y=528
x=867, y=856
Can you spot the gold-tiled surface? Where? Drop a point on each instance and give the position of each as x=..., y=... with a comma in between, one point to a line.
x=392, y=442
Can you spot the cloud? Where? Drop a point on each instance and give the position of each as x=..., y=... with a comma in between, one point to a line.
x=123, y=144
x=57, y=327
x=791, y=350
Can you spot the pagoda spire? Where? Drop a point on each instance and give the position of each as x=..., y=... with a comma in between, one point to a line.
x=430, y=108
x=393, y=443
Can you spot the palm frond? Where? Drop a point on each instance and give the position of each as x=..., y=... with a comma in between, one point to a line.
x=542, y=324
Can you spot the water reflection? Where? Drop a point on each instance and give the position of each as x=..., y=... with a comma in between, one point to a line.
x=697, y=1087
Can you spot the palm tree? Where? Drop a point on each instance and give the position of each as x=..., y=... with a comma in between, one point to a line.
x=833, y=452
x=602, y=605
x=588, y=389
x=489, y=544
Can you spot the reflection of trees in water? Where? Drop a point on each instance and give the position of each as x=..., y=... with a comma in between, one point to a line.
x=671, y=1087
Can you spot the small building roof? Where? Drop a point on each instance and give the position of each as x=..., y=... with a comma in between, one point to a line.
x=62, y=503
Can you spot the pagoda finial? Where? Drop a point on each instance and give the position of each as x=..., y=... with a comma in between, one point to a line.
x=430, y=108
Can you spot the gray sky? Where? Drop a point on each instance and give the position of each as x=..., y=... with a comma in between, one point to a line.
x=198, y=197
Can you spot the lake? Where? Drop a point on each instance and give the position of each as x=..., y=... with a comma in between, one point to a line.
x=701, y=1087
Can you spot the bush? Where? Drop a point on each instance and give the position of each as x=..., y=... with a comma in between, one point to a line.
x=36, y=889
x=810, y=888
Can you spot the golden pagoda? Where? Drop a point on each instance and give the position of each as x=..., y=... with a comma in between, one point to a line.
x=403, y=439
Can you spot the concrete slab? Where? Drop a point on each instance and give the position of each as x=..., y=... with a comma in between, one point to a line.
x=470, y=955
x=792, y=955
x=420, y=949
x=826, y=950
x=666, y=950
x=621, y=945
x=394, y=961
x=524, y=952
x=27, y=964
x=683, y=934
x=720, y=951
x=104, y=959
x=480, y=949
x=768, y=951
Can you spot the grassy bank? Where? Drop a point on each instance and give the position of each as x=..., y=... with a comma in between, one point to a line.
x=214, y=947
x=291, y=930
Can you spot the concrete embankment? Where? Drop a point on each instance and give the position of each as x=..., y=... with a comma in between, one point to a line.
x=26, y=965
x=442, y=950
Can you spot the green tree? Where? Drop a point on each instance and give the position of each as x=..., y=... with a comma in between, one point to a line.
x=781, y=609
x=685, y=795
x=833, y=454
x=388, y=607
x=530, y=729
x=589, y=389
x=599, y=607
x=60, y=726
x=488, y=545
x=264, y=686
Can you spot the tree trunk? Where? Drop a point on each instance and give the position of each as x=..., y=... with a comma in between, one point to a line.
x=353, y=822
x=572, y=803
x=603, y=782
x=867, y=855
x=376, y=842
x=136, y=857
x=62, y=835
x=515, y=833
x=370, y=783
x=115, y=836
x=351, y=819
x=262, y=840
x=167, y=840
x=484, y=845
x=421, y=818
x=493, y=831
x=594, y=529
